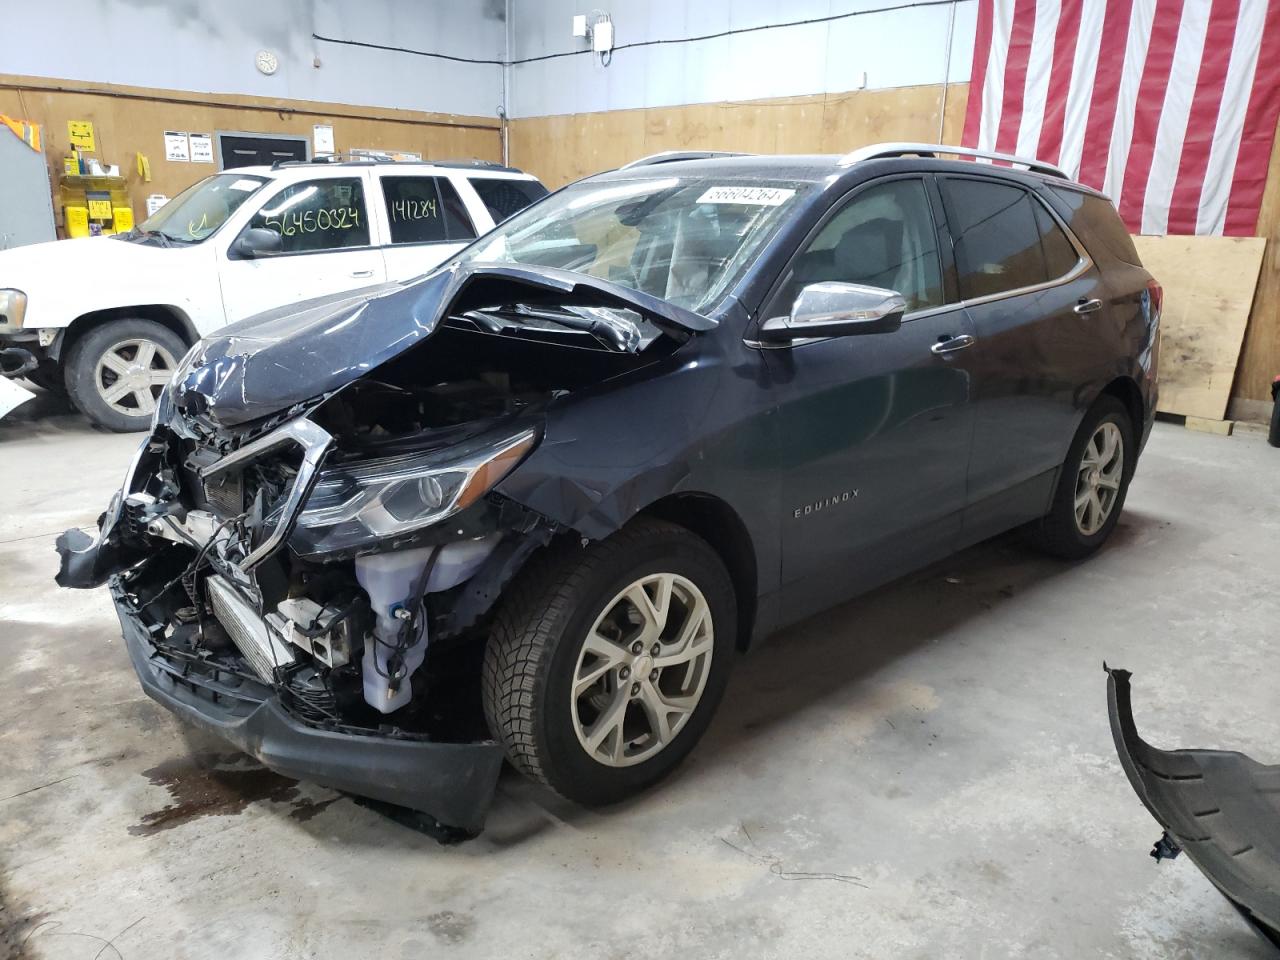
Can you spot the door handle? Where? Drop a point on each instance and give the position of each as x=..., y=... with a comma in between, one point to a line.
x=1088, y=306
x=362, y=273
x=952, y=344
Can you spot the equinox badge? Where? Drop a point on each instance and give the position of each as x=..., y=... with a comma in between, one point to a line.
x=839, y=498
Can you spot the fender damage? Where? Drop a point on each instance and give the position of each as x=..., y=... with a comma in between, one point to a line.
x=1219, y=806
x=342, y=655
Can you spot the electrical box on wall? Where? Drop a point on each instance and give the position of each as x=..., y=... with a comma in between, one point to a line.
x=580, y=25
x=602, y=36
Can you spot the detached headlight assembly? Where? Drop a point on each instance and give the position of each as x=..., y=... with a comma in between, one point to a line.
x=371, y=500
x=13, y=309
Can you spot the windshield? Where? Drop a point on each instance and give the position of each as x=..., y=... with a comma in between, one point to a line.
x=202, y=208
x=684, y=239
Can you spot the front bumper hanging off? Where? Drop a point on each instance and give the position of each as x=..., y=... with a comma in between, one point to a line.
x=451, y=782
x=1221, y=807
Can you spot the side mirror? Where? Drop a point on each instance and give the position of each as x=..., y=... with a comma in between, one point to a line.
x=256, y=242
x=833, y=309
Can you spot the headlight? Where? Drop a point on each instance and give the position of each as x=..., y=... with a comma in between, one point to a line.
x=13, y=308
x=375, y=499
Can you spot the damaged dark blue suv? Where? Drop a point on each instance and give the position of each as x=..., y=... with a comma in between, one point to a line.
x=531, y=504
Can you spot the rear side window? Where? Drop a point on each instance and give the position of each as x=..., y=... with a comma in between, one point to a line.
x=1004, y=239
x=425, y=210
x=317, y=215
x=1060, y=256
x=505, y=198
x=1094, y=218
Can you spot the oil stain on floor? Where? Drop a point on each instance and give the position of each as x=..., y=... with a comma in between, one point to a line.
x=219, y=785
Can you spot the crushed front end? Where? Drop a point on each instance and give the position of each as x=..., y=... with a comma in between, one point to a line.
x=306, y=656
x=312, y=583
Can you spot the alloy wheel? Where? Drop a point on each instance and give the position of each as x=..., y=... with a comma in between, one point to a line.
x=1098, y=480
x=130, y=375
x=642, y=669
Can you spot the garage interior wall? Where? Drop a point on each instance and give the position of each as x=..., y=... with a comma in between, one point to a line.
x=132, y=120
x=197, y=73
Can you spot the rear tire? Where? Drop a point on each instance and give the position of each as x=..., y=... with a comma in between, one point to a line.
x=115, y=372
x=600, y=727
x=1091, y=485
x=1273, y=435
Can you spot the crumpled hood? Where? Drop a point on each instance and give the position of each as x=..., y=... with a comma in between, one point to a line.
x=286, y=356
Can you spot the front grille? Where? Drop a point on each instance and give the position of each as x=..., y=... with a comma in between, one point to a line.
x=247, y=630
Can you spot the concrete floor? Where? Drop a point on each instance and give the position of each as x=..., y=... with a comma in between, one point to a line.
x=924, y=773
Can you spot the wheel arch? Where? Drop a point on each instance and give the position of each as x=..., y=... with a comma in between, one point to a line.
x=719, y=525
x=1125, y=389
x=167, y=315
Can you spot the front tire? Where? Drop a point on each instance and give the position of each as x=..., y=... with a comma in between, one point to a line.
x=606, y=662
x=116, y=371
x=1092, y=484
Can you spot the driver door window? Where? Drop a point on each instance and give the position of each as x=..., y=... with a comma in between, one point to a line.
x=884, y=237
x=317, y=215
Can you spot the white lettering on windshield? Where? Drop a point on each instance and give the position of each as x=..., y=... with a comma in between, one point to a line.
x=757, y=196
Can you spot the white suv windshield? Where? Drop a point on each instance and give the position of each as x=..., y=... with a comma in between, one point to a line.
x=202, y=208
x=684, y=239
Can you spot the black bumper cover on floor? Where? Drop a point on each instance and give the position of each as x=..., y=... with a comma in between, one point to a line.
x=451, y=782
x=1219, y=806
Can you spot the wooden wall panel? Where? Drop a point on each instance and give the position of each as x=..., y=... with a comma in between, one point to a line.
x=1208, y=286
x=128, y=120
x=1260, y=357
x=563, y=148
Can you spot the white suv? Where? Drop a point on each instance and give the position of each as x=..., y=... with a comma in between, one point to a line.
x=108, y=318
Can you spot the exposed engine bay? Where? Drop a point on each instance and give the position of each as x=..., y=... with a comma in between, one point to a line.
x=323, y=567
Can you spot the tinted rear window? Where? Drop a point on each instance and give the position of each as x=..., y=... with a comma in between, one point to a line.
x=997, y=238
x=1059, y=255
x=505, y=198
x=1093, y=218
x=425, y=210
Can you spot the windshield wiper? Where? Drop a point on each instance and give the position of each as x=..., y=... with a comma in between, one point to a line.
x=138, y=235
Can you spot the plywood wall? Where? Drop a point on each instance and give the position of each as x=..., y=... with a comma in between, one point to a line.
x=129, y=120
x=1208, y=286
x=563, y=148
x=1260, y=356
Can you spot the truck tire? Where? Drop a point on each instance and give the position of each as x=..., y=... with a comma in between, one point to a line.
x=1092, y=484
x=606, y=662
x=115, y=372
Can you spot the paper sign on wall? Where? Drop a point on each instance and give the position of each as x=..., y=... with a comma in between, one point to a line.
x=155, y=202
x=322, y=138
x=80, y=133
x=176, y=146
x=201, y=148
x=99, y=205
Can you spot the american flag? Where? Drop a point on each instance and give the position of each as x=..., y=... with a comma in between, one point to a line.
x=1167, y=106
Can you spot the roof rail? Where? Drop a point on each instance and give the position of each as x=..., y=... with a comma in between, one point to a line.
x=671, y=156
x=367, y=159
x=879, y=151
